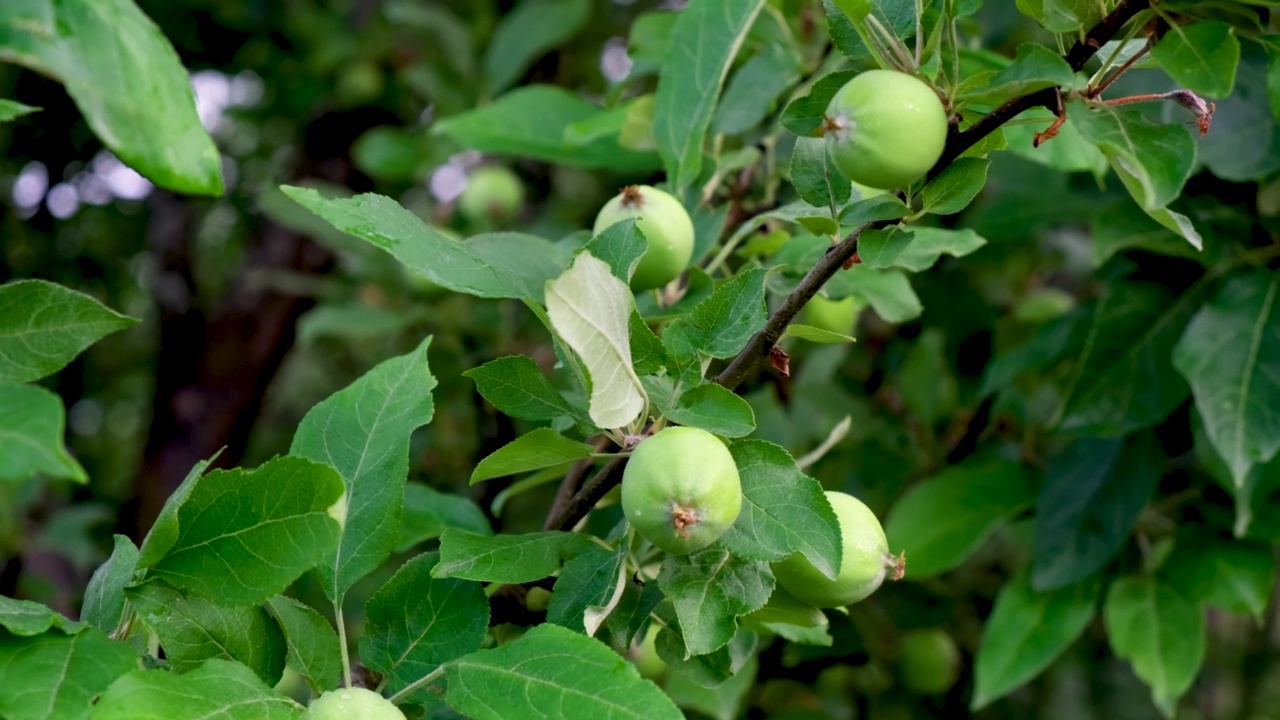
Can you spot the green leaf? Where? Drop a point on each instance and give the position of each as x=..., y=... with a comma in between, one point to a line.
x=590, y=310
x=722, y=324
x=216, y=689
x=1026, y=632
x=711, y=589
x=703, y=44
x=1244, y=144
x=1066, y=152
x=164, y=532
x=104, y=597
x=943, y=520
x=540, y=448
x=516, y=386
x=928, y=244
x=57, y=677
x=1160, y=632
x=793, y=619
x=1202, y=57
x=925, y=382
x=10, y=110
x=815, y=334
x=1120, y=226
x=724, y=701
x=887, y=291
x=193, y=630
x=648, y=355
x=534, y=121
x=876, y=208
x=417, y=623
x=589, y=587
x=1035, y=67
x=127, y=80
x=1227, y=354
x=955, y=187
x=1124, y=379
x=427, y=512
x=715, y=409
x=505, y=558
x=1234, y=575
x=803, y=116
x=498, y=265
x=879, y=248
x=44, y=326
x=1061, y=16
x=554, y=673
x=313, y=650
x=1092, y=494
x=363, y=432
x=32, y=423
x=751, y=94
x=24, y=618
x=815, y=176
x=528, y=32
x=1153, y=161
x=784, y=511
x=620, y=245
x=244, y=536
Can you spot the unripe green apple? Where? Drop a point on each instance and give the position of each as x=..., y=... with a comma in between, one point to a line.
x=837, y=316
x=885, y=129
x=929, y=661
x=537, y=599
x=493, y=194
x=352, y=704
x=863, y=567
x=665, y=224
x=681, y=490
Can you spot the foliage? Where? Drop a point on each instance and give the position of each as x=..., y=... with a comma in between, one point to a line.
x=1062, y=395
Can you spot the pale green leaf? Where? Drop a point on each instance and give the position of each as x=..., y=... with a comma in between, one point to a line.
x=505, y=558
x=104, y=597
x=1160, y=632
x=541, y=448
x=311, y=641
x=217, y=689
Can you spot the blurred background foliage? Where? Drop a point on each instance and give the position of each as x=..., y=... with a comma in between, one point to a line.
x=254, y=311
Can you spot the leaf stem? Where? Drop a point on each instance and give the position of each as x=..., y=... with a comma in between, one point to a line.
x=417, y=684
x=342, y=642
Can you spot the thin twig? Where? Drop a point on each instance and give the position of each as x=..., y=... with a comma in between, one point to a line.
x=958, y=141
x=592, y=490
x=569, y=485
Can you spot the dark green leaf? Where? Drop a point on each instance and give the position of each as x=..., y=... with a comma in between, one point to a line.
x=705, y=40
x=505, y=558
x=1093, y=492
x=714, y=409
x=1234, y=575
x=816, y=177
x=244, y=536
x=533, y=121
x=528, y=32
x=553, y=673
x=874, y=209
x=1228, y=354
x=754, y=88
x=1124, y=379
x=104, y=597
x=541, y=448
x=711, y=589
x=313, y=650
x=620, y=245
x=193, y=630
x=44, y=326
x=1035, y=67
x=216, y=689
x=427, y=512
x=955, y=187
x=516, y=386
x=887, y=291
x=363, y=431
x=803, y=116
x=1201, y=57
x=945, y=519
x=1026, y=632
x=24, y=617
x=57, y=677
x=32, y=424
x=1159, y=631
x=783, y=510
x=417, y=622
x=588, y=586
x=721, y=325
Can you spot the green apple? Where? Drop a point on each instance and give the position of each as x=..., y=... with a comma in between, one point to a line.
x=680, y=489
x=493, y=194
x=837, y=316
x=352, y=704
x=929, y=661
x=863, y=567
x=665, y=224
x=885, y=129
